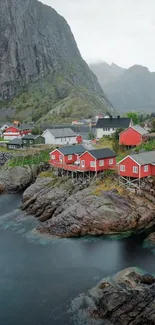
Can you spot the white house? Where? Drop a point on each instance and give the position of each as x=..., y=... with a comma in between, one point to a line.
x=60, y=136
x=107, y=126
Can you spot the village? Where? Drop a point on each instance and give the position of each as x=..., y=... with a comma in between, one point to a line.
x=73, y=156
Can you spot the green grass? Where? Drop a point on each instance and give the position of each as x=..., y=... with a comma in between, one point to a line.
x=31, y=159
x=148, y=146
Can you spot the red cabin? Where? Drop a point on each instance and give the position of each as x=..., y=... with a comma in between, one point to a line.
x=14, y=131
x=66, y=155
x=138, y=165
x=132, y=136
x=98, y=160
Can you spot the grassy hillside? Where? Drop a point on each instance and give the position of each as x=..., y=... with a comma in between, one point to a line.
x=54, y=99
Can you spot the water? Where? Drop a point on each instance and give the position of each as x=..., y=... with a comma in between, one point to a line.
x=39, y=276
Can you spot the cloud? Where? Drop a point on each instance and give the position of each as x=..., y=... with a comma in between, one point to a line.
x=120, y=31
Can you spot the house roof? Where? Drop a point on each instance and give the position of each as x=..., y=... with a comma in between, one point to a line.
x=144, y=158
x=62, y=133
x=31, y=136
x=102, y=153
x=16, y=141
x=139, y=129
x=25, y=127
x=112, y=122
x=72, y=150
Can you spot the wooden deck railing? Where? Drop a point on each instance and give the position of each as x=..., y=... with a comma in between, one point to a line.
x=70, y=167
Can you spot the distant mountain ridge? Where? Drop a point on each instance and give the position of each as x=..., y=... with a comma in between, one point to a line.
x=127, y=89
x=42, y=73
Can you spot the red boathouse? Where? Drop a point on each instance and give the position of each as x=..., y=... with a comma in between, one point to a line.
x=138, y=165
x=73, y=159
x=132, y=136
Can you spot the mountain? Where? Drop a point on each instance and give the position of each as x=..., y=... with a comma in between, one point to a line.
x=128, y=89
x=42, y=74
x=105, y=72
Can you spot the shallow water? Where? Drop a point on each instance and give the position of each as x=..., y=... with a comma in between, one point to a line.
x=39, y=276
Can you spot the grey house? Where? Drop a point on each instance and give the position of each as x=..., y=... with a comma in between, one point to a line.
x=15, y=144
x=31, y=140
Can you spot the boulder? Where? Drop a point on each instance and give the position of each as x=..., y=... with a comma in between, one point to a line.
x=14, y=179
x=123, y=301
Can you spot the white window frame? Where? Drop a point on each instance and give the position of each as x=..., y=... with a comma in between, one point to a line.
x=31, y=141
x=146, y=168
x=122, y=168
x=93, y=164
x=111, y=161
x=52, y=157
x=24, y=141
x=82, y=163
x=135, y=169
x=60, y=158
x=101, y=163
x=70, y=157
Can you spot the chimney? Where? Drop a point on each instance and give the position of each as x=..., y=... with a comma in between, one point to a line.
x=110, y=117
x=118, y=117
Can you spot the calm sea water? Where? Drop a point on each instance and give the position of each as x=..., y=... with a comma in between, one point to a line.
x=40, y=276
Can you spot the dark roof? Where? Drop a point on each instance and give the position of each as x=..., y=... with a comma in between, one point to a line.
x=62, y=133
x=16, y=141
x=25, y=127
x=118, y=122
x=69, y=150
x=31, y=136
x=143, y=158
x=102, y=153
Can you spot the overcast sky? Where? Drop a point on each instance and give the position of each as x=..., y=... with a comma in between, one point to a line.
x=120, y=31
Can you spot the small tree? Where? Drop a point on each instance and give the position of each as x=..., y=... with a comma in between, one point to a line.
x=37, y=130
x=91, y=136
x=115, y=135
x=134, y=116
x=153, y=125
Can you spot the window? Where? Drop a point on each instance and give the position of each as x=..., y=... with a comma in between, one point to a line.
x=92, y=164
x=25, y=141
x=111, y=161
x=60, y=158
x=101, y=163
x=146, y=168
x=31, y=141
x=135, y=169
x=52, y=157
x=122, y=168
x=70, y=157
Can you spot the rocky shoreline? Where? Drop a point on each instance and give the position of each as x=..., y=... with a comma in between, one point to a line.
x=71, y=209
x=128, y=298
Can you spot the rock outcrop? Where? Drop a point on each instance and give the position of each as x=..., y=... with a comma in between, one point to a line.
x=76, y=211
x=125, y=299
x=14, y=179
x=4, y=156
x=39, y=59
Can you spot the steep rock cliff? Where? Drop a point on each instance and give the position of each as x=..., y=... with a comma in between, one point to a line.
x=41, y=69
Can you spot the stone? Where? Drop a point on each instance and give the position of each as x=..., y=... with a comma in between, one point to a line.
x=70, y=211
x=15, y=179
x=125, y=301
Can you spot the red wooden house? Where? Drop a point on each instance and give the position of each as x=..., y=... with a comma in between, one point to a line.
x=138, y=165
x=98, y=159
x=66, y=155
x=77, y=158
x=13, y=131
x=132, y=136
